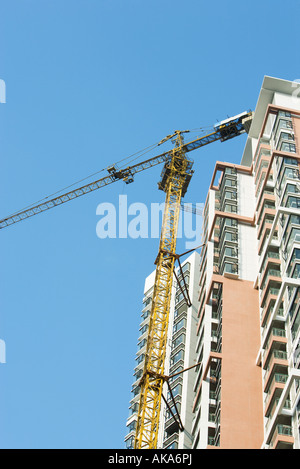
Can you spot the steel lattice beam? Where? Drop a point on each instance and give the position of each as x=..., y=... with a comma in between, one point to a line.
x=177, y=172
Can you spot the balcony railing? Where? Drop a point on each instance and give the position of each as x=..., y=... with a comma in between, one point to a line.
x=286, y=405
x=270, y=255
x=278, y=332
x=278, y=378
x=280, y=354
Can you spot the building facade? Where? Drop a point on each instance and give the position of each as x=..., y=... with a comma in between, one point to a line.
x=245, y=392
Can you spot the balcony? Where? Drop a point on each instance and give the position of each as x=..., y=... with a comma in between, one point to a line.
x=211, y=417
x=262, y=152
x=275, y=335
x=276, y=387
x=266, y=222
x=213, y=441
x=270, y=274
x=264, y=163
x=171, y=440
x=271, y=378
x=266, y=206
x=270, y=286
x=273, y=357
x=270, y=257
x=265, y=235
x=230, y=270
x=273, y=408
x=286, y=146
x=287, y=174
x=268, y=306
x=129, y=442
x=282, y=438
x=282, y=122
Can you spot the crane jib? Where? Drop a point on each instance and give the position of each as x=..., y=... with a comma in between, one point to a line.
x=231, y=128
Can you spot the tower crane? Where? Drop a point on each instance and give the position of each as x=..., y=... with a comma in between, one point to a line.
x=175, y=178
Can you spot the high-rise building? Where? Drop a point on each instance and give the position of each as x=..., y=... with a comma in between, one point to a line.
x=180, y=354
x=245, y=393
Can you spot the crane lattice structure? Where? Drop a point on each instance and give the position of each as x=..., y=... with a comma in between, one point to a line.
x=175, y=178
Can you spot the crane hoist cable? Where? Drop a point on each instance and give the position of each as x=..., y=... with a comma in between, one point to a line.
x=130, y=158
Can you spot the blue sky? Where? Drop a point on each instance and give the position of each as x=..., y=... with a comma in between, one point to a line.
x=87, y=84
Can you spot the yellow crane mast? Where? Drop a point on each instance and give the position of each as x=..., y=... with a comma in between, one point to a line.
x=176, y=176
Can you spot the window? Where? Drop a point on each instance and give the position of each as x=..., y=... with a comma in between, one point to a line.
x=174, y=371
x=230, y=171
x=178, y=356
x=294, y=237
x=179, y=340
x=132, y=426
x=230, y=182
x=292, y=202
x=140, y=358
x=290, y=188
x=142, y=343
x=296, y=254
x=290, y=161
x=144, y=328
x=284, y=114
x=183, y=281
x=295, y=325
x=230, y=268
x=230, y=236
x=135, y=390
x=288, y=173
x=230, y=222
x=173, y=409
x=134, y=407
x=175, y=391
x=227, y=222
x=138, y=374
x=289, y=147
x=230, y=208
x=179, y=311
x=230, y=195
x=286, y=136
x=179, y=298
x=295, y=219
x=179, y=325
x=146, y=301
x=173, y=445
x=296, y=271
x=282, y=124
x=186, y=266
x=231, y=252
x=145, y=314
x=130, y=443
